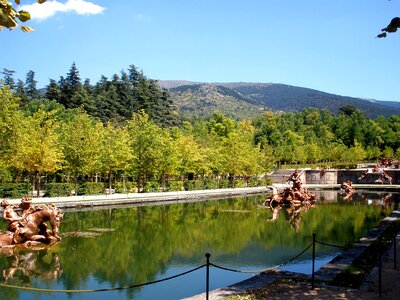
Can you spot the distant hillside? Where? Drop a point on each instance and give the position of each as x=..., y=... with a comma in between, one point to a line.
x=236, y=97
x=204, y=99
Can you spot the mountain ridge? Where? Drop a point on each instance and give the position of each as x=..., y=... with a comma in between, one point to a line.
x=256, y=97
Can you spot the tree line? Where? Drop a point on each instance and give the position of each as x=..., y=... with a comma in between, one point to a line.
x=108, y=100
x=128, y=127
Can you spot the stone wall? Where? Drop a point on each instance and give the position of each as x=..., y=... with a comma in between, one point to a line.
x=334, y=176
x=339, y=176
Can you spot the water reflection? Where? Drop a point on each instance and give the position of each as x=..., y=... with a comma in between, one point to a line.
x=291, y=213
x=22, y=267
x=116, y=247
x=383, y=199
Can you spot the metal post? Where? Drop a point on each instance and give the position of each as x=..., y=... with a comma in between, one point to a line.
x=207, y=274
x=380, y=268
x=313, y=260
x=395, y=251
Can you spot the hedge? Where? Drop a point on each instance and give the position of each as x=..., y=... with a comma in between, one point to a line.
x=175, y=186
x=192, y=185
x=15, y=190
x=151, y=186
x=128, y=187
x=55, y=189
x=92, y=188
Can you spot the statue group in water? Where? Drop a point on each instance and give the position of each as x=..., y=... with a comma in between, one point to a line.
x=28, y=224
x=294, y=194
x=293, y=200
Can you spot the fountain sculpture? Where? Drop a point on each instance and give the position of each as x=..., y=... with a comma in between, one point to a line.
x=294, y=194
x=30, y=225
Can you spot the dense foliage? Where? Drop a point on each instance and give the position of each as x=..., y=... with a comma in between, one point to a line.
x=126, y=130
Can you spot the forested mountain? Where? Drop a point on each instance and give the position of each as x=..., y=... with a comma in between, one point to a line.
x=276, y=97
x=204, y=99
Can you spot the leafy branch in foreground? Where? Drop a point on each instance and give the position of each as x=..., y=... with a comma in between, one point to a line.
x=9, y=16
x=392, y=27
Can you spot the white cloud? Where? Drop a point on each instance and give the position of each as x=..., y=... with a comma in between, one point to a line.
x=50, y=8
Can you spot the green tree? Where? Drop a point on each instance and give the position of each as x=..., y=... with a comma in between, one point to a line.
x=169, y=162
x=190, y=155
x=116, y=152
x=53, y=91
x=240, y=156
x=147, y=142
x=30, y=86
x=81, y=143
x=355, y=153
x=313, y=152
x=21, y=93
x=36, y=146
x=72, y=92
x=9, y=116
x=347, y=109
x=8, y=76
x=220, y=125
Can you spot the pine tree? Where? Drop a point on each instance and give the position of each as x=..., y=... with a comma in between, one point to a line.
x=169, y=109
x=64, y=92
x=88, y=87
x=74, y=86
x=53, y=91
x=30, y=86
x=143, y=96
x=134, y=75
x=125, y=92
x=20, y=92
x=8, y=76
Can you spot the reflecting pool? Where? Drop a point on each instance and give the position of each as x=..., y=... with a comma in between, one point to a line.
x=125, y=246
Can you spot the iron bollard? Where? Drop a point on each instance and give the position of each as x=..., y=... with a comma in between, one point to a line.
x=313, y=261
x=380, y=268
x=395, y=251
x=207, y=274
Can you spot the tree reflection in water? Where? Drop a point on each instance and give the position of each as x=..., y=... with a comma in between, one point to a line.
x=134, y=245
x=23, y=266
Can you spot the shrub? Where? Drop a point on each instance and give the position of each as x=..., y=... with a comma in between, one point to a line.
x=224, y=183
x=192, y=185
x=254, y=182
x=55, y=189
x=151, y=186
x=240, y=183
x=15, y=190
x=91, y=188
x=130, y=187
x=175, y=185
x=211, y=184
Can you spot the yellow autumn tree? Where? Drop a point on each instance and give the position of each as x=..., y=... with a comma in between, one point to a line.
x=36, y=145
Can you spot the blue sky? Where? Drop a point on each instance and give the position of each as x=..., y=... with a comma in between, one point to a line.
x=324, y=45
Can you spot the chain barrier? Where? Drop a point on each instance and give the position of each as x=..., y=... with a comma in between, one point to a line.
x=100, y=290
x=331, y=245
x=264, y=270
x=151, y=282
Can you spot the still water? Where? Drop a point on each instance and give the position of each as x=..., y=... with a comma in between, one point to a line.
x=125, y=246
